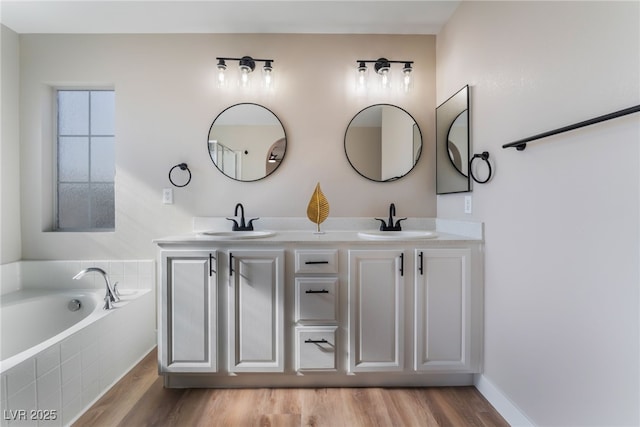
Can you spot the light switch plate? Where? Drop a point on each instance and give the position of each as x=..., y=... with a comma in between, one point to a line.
x=467, y=204
x=167, y=196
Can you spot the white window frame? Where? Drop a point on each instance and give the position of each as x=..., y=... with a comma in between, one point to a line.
x=55, y=160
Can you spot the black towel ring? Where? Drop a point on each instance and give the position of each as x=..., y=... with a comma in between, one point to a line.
x=484, y=156
x=182, y=166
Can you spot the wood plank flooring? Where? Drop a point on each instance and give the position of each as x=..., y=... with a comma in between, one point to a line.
x=139, y=399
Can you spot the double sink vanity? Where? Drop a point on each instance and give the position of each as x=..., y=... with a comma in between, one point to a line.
x=282, y=306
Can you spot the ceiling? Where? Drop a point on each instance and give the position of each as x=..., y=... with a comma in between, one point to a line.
x=218, y=16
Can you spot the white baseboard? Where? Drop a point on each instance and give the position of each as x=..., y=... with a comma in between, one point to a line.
x=509, y=411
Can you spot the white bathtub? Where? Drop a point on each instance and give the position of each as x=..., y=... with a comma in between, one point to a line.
x=33, y=320
x=56, y=362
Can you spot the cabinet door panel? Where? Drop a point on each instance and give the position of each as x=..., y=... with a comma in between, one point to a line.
x=375, y=319
x=188, y=343
x=442, y=300
x=256, y=311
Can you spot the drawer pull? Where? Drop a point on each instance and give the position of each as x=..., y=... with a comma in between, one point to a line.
x=310, y=341
x=316, y=262
x=311, y=291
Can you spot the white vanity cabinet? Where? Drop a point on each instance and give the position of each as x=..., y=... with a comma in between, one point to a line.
x=443, y=311
x=332, y=310
x=189, y=307
x=376, y=310
x=256, y=310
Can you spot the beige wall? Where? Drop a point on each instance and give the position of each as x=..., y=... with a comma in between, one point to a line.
x=166, y=99
x=562, y=218
x=10, y=244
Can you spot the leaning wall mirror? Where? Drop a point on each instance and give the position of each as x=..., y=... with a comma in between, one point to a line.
x=247, y=142
x=452, y=144
x=383, y=142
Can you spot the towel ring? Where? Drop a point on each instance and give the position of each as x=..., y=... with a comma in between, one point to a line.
x=485, y=157
x=182, y=166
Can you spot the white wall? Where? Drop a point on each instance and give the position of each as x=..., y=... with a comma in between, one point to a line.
x=10, y=245
x=166, y=99
x=561, y=218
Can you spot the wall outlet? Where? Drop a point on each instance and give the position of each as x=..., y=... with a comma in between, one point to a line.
x=467, y=204
x=167, y=196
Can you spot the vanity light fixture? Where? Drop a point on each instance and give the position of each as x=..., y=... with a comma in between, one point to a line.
x=246, y=65
x=382, y=67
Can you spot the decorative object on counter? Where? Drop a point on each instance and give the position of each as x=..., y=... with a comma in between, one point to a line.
x=242, y=226
x=453, y=144
x=247, y=142
x=318, y=209
x=383, y=143
x=485, y=157
x=181, y=166
x=390, y=226
x=382, y=67
x=246, y=65
x=521, y=144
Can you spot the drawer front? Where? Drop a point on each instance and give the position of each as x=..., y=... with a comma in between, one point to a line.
x=317, y=261
x=316, y=348
x=316, y=299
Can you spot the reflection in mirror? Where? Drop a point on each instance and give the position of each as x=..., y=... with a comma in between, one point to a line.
x=458, y=143
x=247, y=142
x=452, y=144
x=383, y=142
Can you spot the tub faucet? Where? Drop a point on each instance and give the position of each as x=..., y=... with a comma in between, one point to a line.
x=111, y=295
x=390, y=226
x=242, y=226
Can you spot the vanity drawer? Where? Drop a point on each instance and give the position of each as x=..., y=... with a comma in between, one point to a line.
x=316, y=348
x=317, y=261
x=316, y=299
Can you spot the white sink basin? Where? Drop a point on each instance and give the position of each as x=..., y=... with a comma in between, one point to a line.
x=397, y=235
x=237, y=235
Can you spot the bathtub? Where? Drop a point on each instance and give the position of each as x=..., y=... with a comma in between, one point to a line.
x=60, y=350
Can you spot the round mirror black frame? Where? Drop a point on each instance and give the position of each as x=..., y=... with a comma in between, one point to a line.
x=268, y=158
x=417, y=152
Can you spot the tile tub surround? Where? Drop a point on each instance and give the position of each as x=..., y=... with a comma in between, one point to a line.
x=130, y=274
x=69, y=376
x=72, y=374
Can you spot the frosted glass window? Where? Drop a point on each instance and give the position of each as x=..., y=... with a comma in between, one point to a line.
x=85, y=160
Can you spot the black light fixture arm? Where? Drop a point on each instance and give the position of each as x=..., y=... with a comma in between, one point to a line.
x=244, y=58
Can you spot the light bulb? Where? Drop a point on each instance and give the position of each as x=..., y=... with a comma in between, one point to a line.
x=244, y=76
x=407, y=81
x=267, y=75
x=361, y=77
x=385, y=78
x=222, y=82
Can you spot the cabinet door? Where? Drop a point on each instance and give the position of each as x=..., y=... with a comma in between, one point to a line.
x=188, y=334
x=256, y=306
x=442, y=310
x=376, y=298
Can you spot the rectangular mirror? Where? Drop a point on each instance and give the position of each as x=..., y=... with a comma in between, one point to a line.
x=453, y=144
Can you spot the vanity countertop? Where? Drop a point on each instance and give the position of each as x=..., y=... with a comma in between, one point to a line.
x=339, y=232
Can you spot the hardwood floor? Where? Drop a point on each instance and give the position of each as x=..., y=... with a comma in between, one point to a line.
x=139, y=399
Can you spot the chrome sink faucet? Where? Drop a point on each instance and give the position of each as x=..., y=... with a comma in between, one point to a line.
x=242, y=226
x=390, y=226
x=111, y=295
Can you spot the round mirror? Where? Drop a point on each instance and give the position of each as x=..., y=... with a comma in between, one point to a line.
x=247, y=142
x=458, y=143
x=383, y=142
